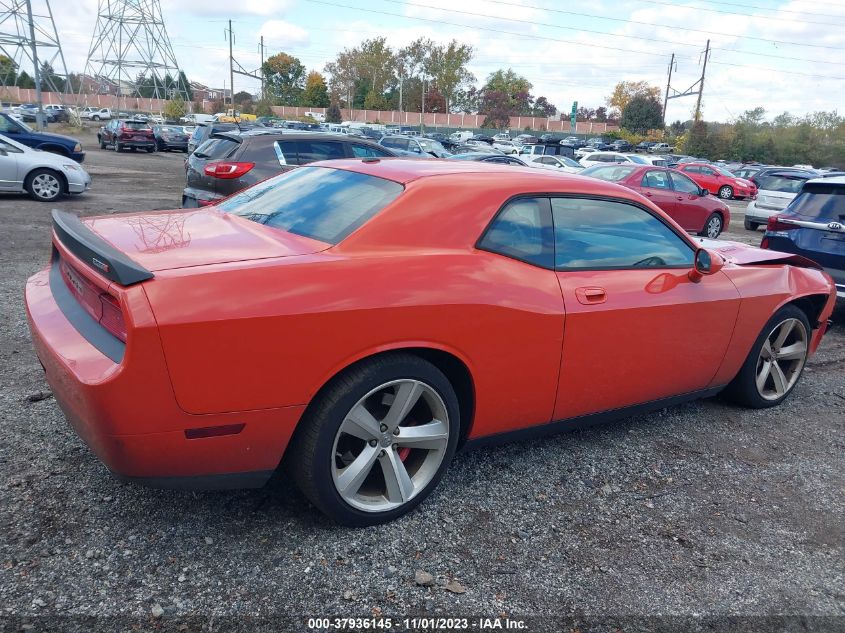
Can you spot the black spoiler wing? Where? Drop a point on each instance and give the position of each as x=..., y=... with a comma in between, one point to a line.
x=96, y=252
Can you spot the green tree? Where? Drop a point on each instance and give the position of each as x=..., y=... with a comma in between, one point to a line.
x=506, y=93
x=696, y=142
x=242, y=97
x=8, y=71
x=284, y=78
x=316, y=94
x=447, y=66
x=641, y=114
x=24, y=80
x=175, y=109
x=333, y=113
x=264, y=107
x=375, y=101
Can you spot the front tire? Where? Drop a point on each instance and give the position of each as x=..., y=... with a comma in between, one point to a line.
x=118, y=147
x=102, y=142
x=726, y=192
x=44, y=185
x=712, y=227
x=775, y=362
x=377, y=439
x=95, y=118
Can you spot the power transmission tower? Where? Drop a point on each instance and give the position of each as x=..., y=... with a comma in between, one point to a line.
x=696, y=88
x=28, y=37
x=130, y=48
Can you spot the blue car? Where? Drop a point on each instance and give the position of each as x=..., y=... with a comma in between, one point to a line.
x=813, y=225
x=55, y=143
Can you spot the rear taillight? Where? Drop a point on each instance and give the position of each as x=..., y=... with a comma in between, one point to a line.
x=205, y=203
x=776, y=224
x=227, y=170
x=112, y=318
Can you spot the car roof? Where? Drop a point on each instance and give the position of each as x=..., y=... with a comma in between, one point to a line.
x=406, y=170
x=830, y=180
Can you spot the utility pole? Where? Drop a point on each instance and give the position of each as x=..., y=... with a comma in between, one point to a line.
x=701, y=82
x=668, y=83
x=422, y=114
x=231, y=70
x=261, y=69
x=39, y=118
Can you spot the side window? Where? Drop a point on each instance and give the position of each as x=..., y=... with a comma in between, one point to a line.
x=707, y=171
x=522, y=230
x=692, y=170
x=311, y=151
x=684, y=184
x=286, y=152
x=599, y=234
x=364, y=151
x=9, y=148
x=396, y=143
x=657, y=180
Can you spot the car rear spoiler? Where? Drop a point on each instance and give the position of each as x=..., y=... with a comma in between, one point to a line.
x=96, y=252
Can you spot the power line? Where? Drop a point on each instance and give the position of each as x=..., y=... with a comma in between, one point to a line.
x=550, y=39
x=633, y=37
x=667, y=26
x=753, y=6
x=747, y=15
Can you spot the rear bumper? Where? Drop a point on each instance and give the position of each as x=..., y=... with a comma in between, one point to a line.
x=138, y=144
x=127, y=414
x=193, y=198
x=759, y=214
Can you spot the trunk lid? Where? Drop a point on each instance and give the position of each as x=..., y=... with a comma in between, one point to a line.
x=195, y=237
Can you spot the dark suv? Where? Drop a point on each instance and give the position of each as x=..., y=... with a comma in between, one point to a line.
x=230, y=161
x=127, y=133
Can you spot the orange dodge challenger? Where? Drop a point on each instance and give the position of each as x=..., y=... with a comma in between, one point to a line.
x=360, y=320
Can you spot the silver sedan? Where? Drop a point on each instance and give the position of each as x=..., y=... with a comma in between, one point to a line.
x=44, y=176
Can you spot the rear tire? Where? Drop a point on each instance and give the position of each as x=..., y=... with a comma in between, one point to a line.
x=95, y=118
x=150, y=150
x=712, y=227
x=44, y=185
x=774, y=364
x=726, y=192
x=323, y=450
x=101, y=141
x=750, y=226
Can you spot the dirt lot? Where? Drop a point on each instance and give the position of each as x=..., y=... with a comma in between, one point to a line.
x=699, y=511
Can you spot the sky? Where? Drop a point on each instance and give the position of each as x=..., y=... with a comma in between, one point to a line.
x=784, y=55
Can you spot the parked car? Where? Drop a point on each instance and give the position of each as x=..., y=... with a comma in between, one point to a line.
x=506, y=147
x=168, y=137
x=661, y=148
x=559, y=163
x=777, y=190
x=29, y=112
x=550, y=138
x=95, y=114
x=599, y=158
x=718, y=180
x=747, y=171
x=57, y=111
x=480, y=138
x=359, y=321
x=497, y=158
x=813, y=226
x=621, y=145
x=417, y=145
x=581, y=152
x=476, y=148
x=46, y=141
x=655, y=159
x=43, y=175
x=765, y=171
x=644, y=146
x=445, y=140
x=123, y=134
x=574, y=142
x=599, y=143
x=683, y=200
x=545, y=149
x=230, y=161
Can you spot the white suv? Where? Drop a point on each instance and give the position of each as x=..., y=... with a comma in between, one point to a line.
x=95, y=114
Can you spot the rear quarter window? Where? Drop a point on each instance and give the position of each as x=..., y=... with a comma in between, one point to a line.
x=312, y=151
x=215, y=148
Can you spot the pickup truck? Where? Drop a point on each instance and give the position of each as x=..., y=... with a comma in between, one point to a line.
x=660, y=148
x=95, y=114
x=55, y=143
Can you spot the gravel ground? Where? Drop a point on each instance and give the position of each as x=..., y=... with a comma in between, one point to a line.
x=700, y=511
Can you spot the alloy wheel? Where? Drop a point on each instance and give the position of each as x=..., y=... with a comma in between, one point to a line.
x=390, y=445
x=46, y=186
x=714, y=227
x=781, y=359
x=726, y=193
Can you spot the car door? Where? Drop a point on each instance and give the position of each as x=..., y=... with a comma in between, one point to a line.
x=656, y=186
x=690, y=208
x=10, y=179
x=638, y=329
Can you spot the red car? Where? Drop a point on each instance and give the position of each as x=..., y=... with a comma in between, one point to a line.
x=719, y=181
x=126, y=134
x=362, y=319
x=682, y=200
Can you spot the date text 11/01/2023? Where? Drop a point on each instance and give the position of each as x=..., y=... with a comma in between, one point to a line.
x=417, y=624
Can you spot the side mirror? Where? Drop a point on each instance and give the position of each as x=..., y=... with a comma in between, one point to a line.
x=3, y=152
x=703, y=192
x=706, y=263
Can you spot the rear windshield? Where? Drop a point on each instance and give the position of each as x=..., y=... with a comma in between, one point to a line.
x=216, y=148
x=781, y=182
x=169, y=129
x=316, y=202
x=136, y=125
x=611, y=174
x=820, y=202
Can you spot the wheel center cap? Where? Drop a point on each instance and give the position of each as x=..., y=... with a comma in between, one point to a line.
x=386, y=439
